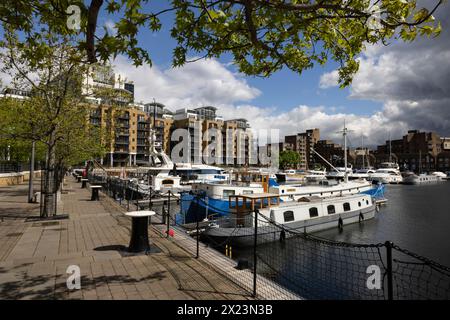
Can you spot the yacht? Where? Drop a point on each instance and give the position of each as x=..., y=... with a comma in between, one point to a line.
x=421, y=179
x=440, y=175
x=308, y=214
x=341, y=172
x=194, y=173
x=388, y=172
x=363, y=173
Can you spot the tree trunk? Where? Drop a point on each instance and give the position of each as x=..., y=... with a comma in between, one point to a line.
x=50, y=183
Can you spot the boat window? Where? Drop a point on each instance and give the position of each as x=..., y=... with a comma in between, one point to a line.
x=288, y=216
x=359, y=204
x=331, y=209
x=247, y=191
x=167, y=181
x=227, y=193
x=367, y=202
x=346, y=206
x=313, y=212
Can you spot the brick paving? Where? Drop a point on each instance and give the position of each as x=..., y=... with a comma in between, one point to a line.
x=35, y=255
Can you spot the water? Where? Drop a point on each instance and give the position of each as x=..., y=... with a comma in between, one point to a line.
x=416, y=217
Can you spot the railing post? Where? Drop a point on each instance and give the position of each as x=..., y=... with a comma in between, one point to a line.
x=389, y=269
x=255, y=258
x=168, y=215
x=198, y=239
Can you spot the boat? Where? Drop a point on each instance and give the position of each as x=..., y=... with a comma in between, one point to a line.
x=157, y=176
x=309, y=214
x=194, y=173
x=315, y=176
x=386, y=176
x=207, y=200
x=364, y=173
x=211, y=198
x=324, y=188
x=341, y=172
x=421, y=179
x=440, y=175
x=290, y=175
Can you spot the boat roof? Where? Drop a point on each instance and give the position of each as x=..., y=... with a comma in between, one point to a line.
x=256, y=196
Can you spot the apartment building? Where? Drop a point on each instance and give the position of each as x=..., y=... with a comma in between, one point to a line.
x=101, y=85
x=416, y=151
x=302, y=144
x=210, y=138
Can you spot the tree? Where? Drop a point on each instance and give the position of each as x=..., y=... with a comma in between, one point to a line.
x=262, y=35
x=54, y=113
x=289, y=159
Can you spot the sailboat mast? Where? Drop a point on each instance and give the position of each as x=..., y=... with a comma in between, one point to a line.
x=390, y=148
x=345, y=153
x=362, y=150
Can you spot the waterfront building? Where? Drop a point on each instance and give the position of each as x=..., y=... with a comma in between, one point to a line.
x=302, y=144
x=127, y=132
x=101, y=85
x=416, y=151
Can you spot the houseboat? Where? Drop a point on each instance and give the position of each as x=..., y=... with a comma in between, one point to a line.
x=277, y=220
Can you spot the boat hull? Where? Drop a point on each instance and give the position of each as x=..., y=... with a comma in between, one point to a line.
x=245, y=236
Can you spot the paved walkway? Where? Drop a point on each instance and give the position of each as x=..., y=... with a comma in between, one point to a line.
x=35, y=255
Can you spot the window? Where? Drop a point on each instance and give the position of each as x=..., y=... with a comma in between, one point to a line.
x=346, y=206
x=359, y=204
x=247, y=191
x=288, y=216
x=331, y=209
x=227, y=193
x=313, y=212
x=367, y=202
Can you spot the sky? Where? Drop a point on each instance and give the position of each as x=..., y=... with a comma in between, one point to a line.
x=399, y=87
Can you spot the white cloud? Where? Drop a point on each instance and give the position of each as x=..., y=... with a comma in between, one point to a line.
x=205, y=82
x=208, y=82
x=329, y=79
x=412, y=80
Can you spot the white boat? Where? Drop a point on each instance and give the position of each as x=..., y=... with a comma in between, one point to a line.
x=310, y=214
x=341, y=172
x=325, y=188
x=290, y=175
x=421, y=179
x=157, y=176
x=386, y=176
x=315, y=175
x=363, y=173
x=194, y=173
x=440, y=175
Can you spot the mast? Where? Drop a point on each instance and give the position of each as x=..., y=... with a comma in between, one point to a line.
x=420, y=161
x=344, y=132
x=390, y=148
x=362, y=146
